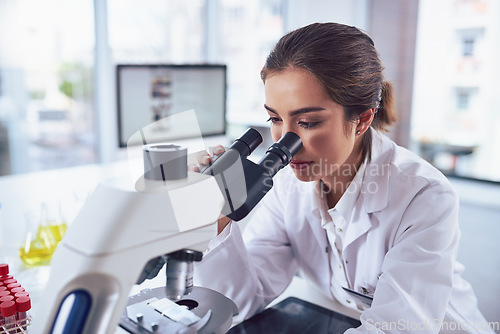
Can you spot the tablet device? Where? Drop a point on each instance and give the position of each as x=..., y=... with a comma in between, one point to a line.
x=293, y=315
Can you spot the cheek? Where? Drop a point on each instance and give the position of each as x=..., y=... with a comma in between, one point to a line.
x=331, y=147
x=320, y=143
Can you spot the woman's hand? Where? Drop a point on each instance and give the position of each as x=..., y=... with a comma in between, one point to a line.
x=204, y=159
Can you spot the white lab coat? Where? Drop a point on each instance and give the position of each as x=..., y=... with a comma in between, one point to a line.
x=401, y=242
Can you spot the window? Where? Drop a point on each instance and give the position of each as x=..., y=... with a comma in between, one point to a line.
x=468, y=47
x=154, y=31
x=454, y=101
x=463, y=101
x=249, y=30
x=46, y=66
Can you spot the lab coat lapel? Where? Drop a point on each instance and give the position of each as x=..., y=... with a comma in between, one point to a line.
x=360, y=224
x=374, y=190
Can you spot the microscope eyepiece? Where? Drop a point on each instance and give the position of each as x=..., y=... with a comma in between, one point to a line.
x=251, y=138
x=240, y=149
x=247, y=143
x=291, y=142
x=279, y=154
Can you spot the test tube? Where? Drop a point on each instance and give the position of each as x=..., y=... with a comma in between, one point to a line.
x=6, y=277
x=21, y=294
x=13, y=285
x=4, y=270
x=9, y=281
x=8, y=311
x=6, y=298
x=23, y=305
x=4, y=293
x=16, y=290
x=3, y=288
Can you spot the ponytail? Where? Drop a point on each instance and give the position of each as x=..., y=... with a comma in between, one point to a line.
x=385, y=115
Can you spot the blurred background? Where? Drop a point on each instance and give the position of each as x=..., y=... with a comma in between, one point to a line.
x=58, y=84
x=57, y=70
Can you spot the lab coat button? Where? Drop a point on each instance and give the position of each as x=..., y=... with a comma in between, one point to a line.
x=348, y=301
x=339, y=230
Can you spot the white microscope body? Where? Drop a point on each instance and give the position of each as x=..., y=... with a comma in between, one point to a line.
x=119, y=229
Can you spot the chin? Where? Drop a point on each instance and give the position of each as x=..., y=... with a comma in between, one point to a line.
x=305, y=177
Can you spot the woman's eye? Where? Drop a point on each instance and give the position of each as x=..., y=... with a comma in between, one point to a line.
x=308, y=125
x=274, y=120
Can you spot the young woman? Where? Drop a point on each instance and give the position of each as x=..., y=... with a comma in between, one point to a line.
x=353, y=210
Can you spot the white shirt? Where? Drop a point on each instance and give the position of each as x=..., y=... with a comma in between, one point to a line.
x=334, y=221
x=400, y=243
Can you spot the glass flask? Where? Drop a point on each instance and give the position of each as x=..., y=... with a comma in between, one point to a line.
x=51, y=215
x=39, y=241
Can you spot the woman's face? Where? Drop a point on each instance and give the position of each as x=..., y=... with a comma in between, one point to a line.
x=296, y=102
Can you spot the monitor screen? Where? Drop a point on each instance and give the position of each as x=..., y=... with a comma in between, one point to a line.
x=149, y=93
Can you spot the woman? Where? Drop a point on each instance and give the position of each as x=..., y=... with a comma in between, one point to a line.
x=353, y=210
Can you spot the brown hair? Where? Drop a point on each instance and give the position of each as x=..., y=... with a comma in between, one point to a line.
x=345, y=61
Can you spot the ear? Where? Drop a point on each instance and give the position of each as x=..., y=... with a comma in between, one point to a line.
x=364, y=121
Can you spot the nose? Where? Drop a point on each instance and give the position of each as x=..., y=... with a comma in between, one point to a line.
x=284, y=129
x=277, y=134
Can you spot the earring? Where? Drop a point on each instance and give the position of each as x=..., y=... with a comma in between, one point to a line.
x=358, y=132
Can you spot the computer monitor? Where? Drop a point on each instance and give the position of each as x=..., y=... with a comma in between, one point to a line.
x=149, y=93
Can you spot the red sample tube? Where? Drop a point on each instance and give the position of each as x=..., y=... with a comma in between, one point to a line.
x=4, y=269
x=9, y=311
x=23, y=305
x=16, y=290
x=9, y=281
x=6, y=298
x=4, y=293
x=13, y=285
x=5, y=277
x=22, y=294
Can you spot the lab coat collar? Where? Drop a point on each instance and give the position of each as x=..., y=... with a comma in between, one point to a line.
x=347, y=202
x=359, y=224
x=375, y=189
x=374, y=192
x=345, y=206
x=375, y=183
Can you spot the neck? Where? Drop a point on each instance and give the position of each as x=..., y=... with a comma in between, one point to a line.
x=336, y=184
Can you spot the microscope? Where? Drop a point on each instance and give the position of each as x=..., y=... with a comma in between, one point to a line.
x=126, y=230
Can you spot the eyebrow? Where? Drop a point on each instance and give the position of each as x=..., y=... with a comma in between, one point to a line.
x=298, y=111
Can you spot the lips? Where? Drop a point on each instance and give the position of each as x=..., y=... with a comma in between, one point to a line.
x=298, y=164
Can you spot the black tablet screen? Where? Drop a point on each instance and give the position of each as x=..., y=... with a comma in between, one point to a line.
x=294, y=315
